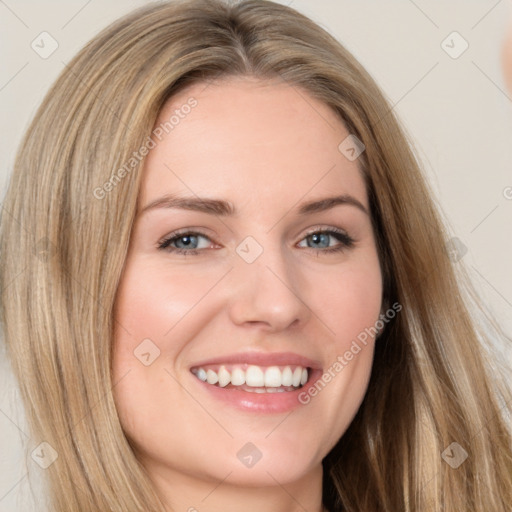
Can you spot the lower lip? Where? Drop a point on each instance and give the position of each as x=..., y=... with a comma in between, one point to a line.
x=270, y=403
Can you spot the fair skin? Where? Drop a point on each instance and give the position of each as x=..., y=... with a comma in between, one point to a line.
x=267, y=148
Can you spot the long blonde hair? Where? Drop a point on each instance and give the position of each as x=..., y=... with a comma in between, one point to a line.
x=63, y=248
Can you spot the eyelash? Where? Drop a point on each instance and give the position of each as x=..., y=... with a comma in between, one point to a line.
x=346, y=241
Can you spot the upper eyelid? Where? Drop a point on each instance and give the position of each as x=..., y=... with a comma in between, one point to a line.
x=197, y=232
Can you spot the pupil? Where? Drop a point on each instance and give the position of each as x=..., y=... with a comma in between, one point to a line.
x=317, y=237
x=186, y=240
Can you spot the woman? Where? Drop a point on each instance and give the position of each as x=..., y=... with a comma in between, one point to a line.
x=233, y=284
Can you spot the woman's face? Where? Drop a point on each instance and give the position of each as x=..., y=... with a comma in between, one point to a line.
x=281, y=286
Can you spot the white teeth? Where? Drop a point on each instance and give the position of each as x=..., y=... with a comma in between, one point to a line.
x=270, y=379
x=273, y=377
x=224, y=377
x=297, y=374
x=211, y=377
x=201, y=374
x=254, y=376
x=237, y=377
x=266, y=390
x=287, y=377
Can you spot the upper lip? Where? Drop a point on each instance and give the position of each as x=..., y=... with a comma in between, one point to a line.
x=262, y=359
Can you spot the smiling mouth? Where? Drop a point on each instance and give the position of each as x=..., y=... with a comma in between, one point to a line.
x=253, y=378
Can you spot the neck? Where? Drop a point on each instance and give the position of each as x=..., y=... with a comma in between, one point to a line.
x=182, y=492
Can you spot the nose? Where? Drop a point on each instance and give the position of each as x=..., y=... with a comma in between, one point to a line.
x=268, y=292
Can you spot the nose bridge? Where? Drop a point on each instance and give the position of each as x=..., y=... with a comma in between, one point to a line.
x=267, y=286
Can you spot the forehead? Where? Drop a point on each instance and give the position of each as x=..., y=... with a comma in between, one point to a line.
x=249, y=141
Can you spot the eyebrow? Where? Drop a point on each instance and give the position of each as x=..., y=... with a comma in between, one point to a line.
x=225, y=208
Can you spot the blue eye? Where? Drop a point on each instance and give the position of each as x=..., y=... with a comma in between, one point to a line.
x=322, y=238
x=186, y=242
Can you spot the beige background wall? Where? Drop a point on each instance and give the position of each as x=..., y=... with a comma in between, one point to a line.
x=456, y=109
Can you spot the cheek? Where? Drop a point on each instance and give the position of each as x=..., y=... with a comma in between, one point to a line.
x=156, y=314
x=349, y=300
x=143, y=314
x=155, y=303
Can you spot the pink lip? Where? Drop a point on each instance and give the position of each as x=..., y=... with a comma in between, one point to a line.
x=262, y=359
x=263, y=403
